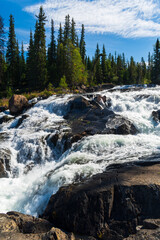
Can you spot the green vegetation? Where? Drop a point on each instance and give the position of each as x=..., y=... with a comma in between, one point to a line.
x=63, y=65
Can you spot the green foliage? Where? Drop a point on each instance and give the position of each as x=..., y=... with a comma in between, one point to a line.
x=12, y=54
x=82, y=45
x=40, y=68
x=63, y=83
x=50, y=87
x=9, y=92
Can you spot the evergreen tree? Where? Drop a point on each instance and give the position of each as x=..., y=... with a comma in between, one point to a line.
x=22, y=68
x=60, y=35
x=60, y=62
x=132, y=72
x=82, y=44
x=104, y=65
x=52, y=57
x=144, y=70
x=98, y=72
x=120, y=70
x=149, y=68
x=40, y=51
x=17, y=66
x=73, y=33
x=11, y=54
x=2, y=60
x=156, y=64
x=67, y=30
x=139, y=74
x=30, y=67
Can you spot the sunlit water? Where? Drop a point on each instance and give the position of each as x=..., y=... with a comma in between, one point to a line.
x=29, y=192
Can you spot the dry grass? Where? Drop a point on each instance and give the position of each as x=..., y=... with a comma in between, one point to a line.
x=46, y=93
x=4, y=102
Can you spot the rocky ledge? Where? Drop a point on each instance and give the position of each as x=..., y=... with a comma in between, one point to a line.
x=112, y=205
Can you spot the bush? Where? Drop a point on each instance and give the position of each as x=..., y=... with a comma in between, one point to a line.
x=63, y=83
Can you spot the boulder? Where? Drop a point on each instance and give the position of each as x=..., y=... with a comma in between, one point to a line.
x=110, y=205
x=17, y=104
x=116, y=124
x=89, y=116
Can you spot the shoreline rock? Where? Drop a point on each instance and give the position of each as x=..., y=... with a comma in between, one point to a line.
x=109, y=205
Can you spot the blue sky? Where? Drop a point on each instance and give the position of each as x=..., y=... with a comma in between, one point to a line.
x=129, y=26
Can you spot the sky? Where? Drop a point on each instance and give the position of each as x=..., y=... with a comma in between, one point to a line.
x=123, y=26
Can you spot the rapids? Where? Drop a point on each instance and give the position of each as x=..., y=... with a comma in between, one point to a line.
x=29, y=191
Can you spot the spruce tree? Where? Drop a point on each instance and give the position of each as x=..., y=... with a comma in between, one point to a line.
x=11, y=54
x=52, y=57
x=30, y=66
x=22, y=68
x=67, y=30
x=98, y=72
x=144, y=71
x=120, y=70
x=132, y=72
x=82, y=44
x=2, y=60
x=60, y=55
x=156, y=64
x=40, y=51
x=60, y=34
x=104, y=65
x=73, y=33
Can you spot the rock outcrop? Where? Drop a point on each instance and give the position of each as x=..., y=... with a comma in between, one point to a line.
x=109, y=205
x=17, y=104
x=93, y=116
x=18, y=226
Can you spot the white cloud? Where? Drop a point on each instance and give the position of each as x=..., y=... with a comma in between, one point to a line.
x=127, y=18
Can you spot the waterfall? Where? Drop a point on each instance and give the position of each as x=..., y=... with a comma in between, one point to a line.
x=38, y=168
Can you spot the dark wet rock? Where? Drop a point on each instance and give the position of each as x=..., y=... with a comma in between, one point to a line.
x=29, y=167
x=17, y=104
x=117, y=124
x=156, y=115
x=21, y=119
x=100, y=87
x=93, y=116
x=109, y=205
x=2, y=109
x=5, y=158
x=6, y=118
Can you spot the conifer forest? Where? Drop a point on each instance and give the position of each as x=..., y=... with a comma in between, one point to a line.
x=64, y=63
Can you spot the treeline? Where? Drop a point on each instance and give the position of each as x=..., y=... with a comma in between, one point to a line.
x=64, y=62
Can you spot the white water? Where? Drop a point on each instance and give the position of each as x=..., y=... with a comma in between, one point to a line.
x=30, y=192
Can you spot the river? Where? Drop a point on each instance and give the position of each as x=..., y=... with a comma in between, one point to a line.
x=38, y=169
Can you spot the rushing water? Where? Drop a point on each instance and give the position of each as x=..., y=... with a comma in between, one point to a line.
x=29, y=191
